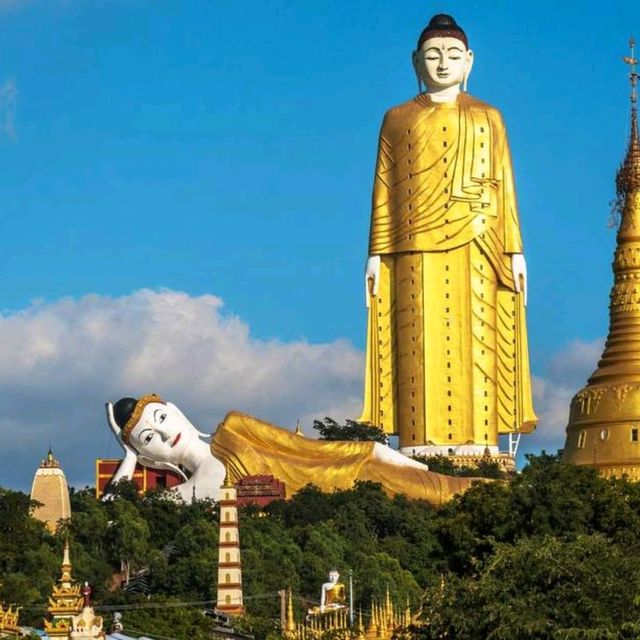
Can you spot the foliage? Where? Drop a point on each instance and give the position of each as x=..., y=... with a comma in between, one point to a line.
x=330, y=430
x=553, y=552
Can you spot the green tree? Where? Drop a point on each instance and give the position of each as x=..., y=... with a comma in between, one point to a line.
x=538, y=588
x=127, y=535
x=329, y=429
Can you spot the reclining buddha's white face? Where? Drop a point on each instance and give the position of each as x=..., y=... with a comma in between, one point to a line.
x=163, y=433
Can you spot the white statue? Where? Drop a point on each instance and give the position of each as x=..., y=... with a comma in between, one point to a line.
x=158, y=435
x=332, y=594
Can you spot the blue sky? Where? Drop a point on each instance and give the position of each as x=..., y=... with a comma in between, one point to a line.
x=227, y=148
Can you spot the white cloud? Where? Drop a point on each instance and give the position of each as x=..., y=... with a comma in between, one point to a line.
x=566, y=374
x=60, y=362
x=8, y=103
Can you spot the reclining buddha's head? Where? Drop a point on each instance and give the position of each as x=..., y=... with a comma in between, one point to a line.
x=155, y=429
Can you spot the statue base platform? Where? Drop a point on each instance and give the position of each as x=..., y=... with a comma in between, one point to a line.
x=464, y=455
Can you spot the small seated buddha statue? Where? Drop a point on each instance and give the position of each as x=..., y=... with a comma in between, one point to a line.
x=333, y=594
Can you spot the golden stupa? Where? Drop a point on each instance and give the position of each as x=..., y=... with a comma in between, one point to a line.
x=50, y=490
x=604, y=421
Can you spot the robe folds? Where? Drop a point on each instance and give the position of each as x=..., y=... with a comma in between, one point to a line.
x=249, y=446
x=447, y=358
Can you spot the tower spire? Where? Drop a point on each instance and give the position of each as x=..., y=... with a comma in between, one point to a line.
x=65, y=601
x=628, y=178
x=603, y=430
x=632, y=61
x=290, y=626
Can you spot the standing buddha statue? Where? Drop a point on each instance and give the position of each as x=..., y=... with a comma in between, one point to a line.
x=447, y=364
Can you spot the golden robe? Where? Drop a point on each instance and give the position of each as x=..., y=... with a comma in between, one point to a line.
x=249, y=446
x=447, y=357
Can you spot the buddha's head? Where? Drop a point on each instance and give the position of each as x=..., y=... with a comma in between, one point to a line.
x=157, y=430
x=334, y=576
x=442, y=58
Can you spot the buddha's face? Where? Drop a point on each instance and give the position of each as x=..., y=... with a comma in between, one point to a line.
x=442, y=62
x=163, y=433
x=334, y=576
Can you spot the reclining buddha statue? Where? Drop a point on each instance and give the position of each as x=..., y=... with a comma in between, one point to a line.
x=157, y=434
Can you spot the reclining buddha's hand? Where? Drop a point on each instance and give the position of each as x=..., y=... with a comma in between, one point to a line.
x=117, y=432
x=128, y=465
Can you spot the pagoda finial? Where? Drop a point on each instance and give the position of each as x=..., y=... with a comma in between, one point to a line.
x=290, y=623
x=227, y=484
x=387, y=604
x=628, y=178
x=299, y=431
x=632, y=61
x=49, y=462
x=360, y=629
x=65, y=576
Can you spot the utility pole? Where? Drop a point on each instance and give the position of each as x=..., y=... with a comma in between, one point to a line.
x=283, y=609
x=351, y=598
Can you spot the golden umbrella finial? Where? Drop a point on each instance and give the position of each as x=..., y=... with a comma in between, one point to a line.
x=632, y=61
x=228, y=483
x=628, y=178
x=290, y=623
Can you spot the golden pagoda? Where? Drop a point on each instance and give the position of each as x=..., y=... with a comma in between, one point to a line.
x=9, y=621
x=65, y=602
x=604, y=420
x=51, y=491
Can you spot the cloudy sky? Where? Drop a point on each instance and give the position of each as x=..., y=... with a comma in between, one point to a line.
x=185, y=190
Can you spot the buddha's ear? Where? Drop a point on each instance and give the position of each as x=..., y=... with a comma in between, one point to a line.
x=467, y=68
x=415, y=61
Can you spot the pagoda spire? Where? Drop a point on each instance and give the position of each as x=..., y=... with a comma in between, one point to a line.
x=628, y=178
x=65, y=600
x=603, y=424
x=66, y=568
x=621, y=359
x=290, y=625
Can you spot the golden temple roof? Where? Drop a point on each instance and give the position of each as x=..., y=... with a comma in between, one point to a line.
x=9, y=621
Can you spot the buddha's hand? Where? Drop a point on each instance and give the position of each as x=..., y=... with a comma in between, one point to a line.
x=371, y=278
x=519, y=271
x=128, y=465
x=129, y=452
